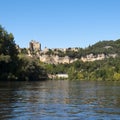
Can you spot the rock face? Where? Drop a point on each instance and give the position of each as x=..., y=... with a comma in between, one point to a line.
x=52, y=56
x=55, y=59
x=92, y=57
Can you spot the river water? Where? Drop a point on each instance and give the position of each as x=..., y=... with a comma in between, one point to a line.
x=60, y=100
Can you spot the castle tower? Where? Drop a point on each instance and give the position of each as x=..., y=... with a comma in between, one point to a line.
x=34, y=46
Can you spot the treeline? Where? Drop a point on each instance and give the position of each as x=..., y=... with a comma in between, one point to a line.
x=16, y=67
x=108, y=69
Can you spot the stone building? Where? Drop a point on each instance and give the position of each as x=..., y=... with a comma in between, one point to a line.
x=34, y=46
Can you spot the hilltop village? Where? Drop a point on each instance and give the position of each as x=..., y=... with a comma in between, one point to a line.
x=63, y=55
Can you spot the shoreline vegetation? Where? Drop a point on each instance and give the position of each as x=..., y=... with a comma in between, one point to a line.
x=17, y=65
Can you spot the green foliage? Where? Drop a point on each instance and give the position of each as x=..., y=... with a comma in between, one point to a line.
x=108, y=69
x=50, y=52
x=24, y=51
x=60, y=53
x=8, y=55
x=31, y=70
x=14, y=68
x=116, y=76
x=55, y=69
x=101, y=47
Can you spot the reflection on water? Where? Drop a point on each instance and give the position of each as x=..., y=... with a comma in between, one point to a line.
x=60, y=100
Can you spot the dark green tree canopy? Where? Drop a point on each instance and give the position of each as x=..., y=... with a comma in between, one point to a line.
x=8, y=55
x=7, y=43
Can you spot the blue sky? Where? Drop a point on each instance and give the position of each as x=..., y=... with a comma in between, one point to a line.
x=61, y=23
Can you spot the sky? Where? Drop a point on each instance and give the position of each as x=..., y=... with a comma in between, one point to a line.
x=61, y=23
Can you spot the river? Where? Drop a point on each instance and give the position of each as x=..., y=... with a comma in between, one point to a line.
x=60, y=100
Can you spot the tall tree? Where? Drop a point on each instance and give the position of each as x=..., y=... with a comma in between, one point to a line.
x=8, y=55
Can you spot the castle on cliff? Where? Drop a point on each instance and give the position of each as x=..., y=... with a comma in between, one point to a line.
x=51, y=56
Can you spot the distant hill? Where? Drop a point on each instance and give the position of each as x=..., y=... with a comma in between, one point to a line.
x=99, y=51
x=106, y=47
x=101, y=47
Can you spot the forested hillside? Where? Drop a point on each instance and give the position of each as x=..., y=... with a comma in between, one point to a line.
x=107, y=69
x=106, y=47
x=102, y=47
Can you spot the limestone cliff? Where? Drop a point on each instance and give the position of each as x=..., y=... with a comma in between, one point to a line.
x=55, y=59
x=99, y=51
x=92, y=57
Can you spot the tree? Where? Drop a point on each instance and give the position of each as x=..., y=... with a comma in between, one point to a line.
x=13, y=67
x=31, y=70
x=8, y=55
x=116, y=76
